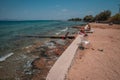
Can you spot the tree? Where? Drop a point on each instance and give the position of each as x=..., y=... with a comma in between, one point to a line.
x=115, y=18
x=103, y=16
x=88, y=18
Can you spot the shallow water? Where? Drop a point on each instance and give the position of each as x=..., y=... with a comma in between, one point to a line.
x=10, y=32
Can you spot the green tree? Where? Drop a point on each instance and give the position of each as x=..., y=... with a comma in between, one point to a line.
x=115, y=18
x=103, y=16
x=88, y=18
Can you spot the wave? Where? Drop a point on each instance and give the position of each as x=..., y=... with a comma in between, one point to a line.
x=5, y=57
x=57, y=33
x=62, y=31
x=65, y=29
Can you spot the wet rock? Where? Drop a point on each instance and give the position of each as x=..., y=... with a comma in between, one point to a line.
x=58, y=51
x=39, y=63
x=43, y=50
x=61, y=42
x=28, y=72
x=50, y=62
x=32, y=48
x=53, y=42
x=50, y=45
x=28, y=67
x=36, y=71
x=28, y=64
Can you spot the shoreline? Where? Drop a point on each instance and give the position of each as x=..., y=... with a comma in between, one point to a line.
x=47, y=53
x=32, y=55
x=43, y=64
x=101, y=60
x=37, y=60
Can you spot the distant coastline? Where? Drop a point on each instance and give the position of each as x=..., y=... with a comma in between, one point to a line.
x=32, y=20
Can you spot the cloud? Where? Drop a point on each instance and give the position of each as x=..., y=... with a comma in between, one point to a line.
x=57, y=5
x=90, y=12
x=64, y=10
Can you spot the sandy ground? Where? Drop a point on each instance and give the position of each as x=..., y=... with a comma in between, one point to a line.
x=101, y=61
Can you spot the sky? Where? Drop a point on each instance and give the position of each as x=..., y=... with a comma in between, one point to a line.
x=54, y=9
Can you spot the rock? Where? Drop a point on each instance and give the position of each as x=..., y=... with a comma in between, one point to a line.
x=50, y=45
x=50, y=62
x=43, y=52
x=61, y=42
x=39, y=63
x=100, y=50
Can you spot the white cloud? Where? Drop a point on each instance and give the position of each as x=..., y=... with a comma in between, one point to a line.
x=64, y=10
x=90, y=12
x=57, y=5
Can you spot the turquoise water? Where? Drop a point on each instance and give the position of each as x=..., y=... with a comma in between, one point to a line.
x=11, y=32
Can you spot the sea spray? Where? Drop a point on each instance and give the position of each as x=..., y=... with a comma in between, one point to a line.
x=63, y=30
x=5, y=57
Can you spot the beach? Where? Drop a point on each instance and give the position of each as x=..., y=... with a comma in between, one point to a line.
x=100, y=61
x=52, y=40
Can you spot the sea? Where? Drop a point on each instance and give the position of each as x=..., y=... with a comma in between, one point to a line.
x=12, y=38
x=12, y=32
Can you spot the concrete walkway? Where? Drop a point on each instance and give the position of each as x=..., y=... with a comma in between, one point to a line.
x=60, y=68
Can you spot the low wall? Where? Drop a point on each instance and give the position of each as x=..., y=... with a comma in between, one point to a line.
x=61, y=66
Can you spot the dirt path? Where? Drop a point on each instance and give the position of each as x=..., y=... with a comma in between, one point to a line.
x=102, y=60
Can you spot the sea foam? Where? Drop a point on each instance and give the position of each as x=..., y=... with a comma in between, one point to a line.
x=65, y=29
x=5, y=57
x=62, y=31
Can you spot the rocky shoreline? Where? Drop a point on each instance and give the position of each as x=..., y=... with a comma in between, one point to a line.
x=34, y=61
x=47, y=54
